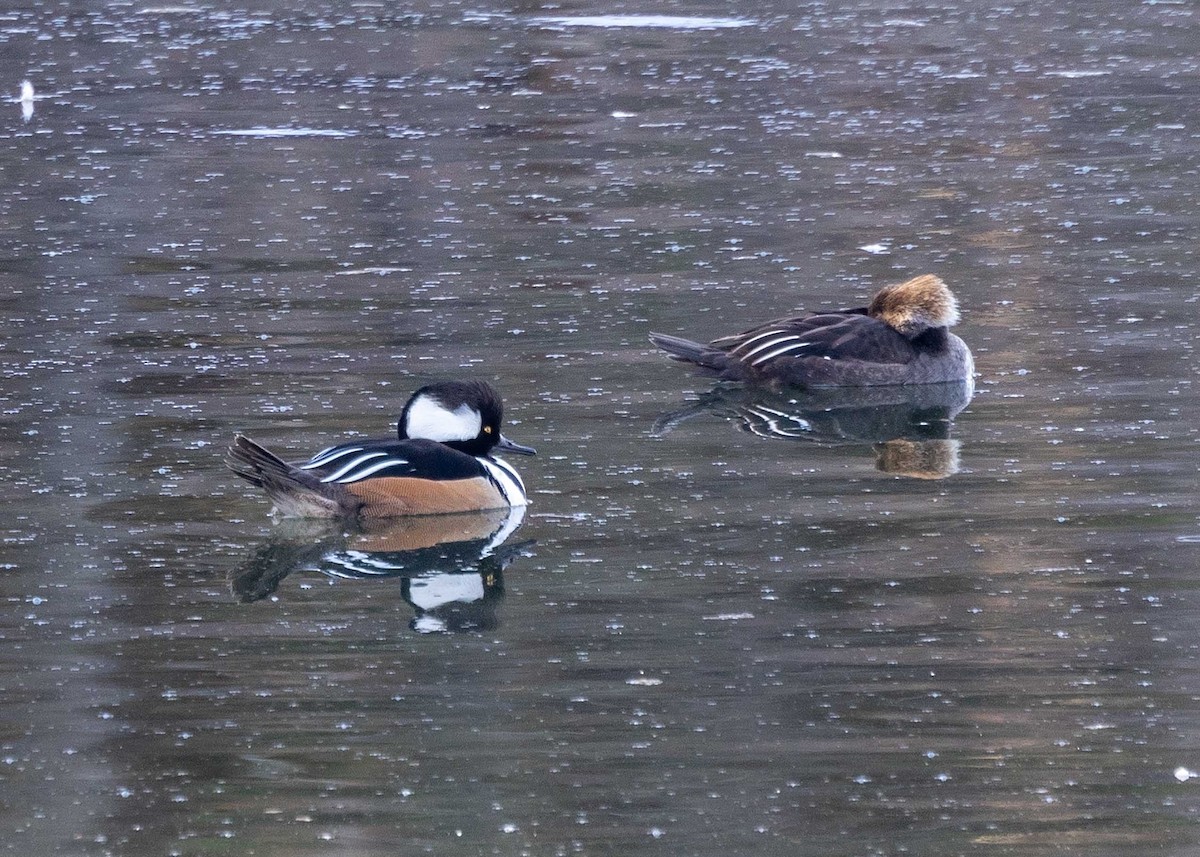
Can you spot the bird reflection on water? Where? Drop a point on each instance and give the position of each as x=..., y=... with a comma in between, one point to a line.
x=907, y=426
x=450, y=567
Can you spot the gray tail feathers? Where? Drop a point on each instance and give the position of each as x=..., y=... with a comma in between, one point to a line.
x=257, y=464
x=295, y=492
x=704, y=356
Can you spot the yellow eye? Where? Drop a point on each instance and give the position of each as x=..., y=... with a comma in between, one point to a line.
x=487, y=429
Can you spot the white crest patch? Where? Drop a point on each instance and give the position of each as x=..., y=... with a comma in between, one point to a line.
x=430, y=419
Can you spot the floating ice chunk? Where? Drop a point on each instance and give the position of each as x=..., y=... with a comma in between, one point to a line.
x=26, y=100
x=671, y=22
x=1076, y=73
x=287, y=132
x=643, y=681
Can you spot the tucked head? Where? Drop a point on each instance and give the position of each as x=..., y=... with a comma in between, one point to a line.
x=916, y=305
x=465, y=415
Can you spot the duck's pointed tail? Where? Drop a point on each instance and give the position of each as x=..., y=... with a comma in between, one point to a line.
x=680, y=348
x=255, y=463
x=295, y=493
x=709, y=359
x=702, y=356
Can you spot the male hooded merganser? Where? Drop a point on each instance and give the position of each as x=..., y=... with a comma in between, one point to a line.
x=901, y=337
x=441, y=463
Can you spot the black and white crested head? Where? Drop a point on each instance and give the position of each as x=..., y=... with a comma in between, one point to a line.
x=451, y=412
x=465, y=415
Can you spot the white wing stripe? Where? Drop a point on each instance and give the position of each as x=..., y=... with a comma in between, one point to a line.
x=328, y=455
x=793, y=345
x=771, y=343
x=338, y=474
x=759, y=336
x=363, y=473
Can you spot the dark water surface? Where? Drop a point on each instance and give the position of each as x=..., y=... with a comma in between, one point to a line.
x=727, y=624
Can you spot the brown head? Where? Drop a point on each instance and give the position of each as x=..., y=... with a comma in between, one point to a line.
x=915, y=306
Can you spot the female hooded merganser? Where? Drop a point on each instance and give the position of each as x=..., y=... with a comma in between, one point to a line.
x=441, y=463
x=901, y=337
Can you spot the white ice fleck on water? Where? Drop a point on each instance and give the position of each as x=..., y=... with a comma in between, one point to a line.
x=644, y=681
x=668, y=22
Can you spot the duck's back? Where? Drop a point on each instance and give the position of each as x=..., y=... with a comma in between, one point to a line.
x=355, y=461
x=831, y=349
x=844, y=335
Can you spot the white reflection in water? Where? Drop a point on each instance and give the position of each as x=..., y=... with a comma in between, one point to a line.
x=669, y=22
x=26, y=100
x=287, y=132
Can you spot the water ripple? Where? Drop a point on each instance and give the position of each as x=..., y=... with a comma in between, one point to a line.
x=286, y=132
x=662, y=22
